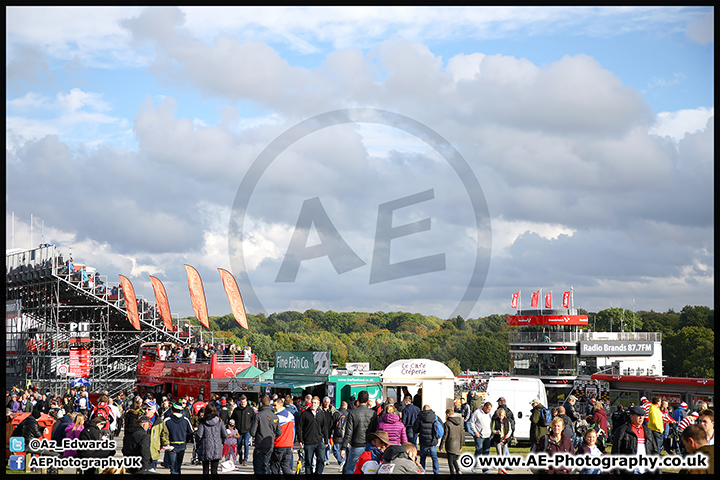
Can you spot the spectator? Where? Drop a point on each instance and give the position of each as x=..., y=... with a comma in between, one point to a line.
x=73, y=431
x=634, y=438
x=390, y=422
x=481, y=428
x=537, y=423
x=230, y=445
x=312, y=433
x=501, y=431
x=243, y=416
x=264, y=429
x=338, y=430
x=92, y=431
x=453, y=439
x=695, y=440
x=210, y=437
x=555, y=442
x=589, y=447
x=360, y=422
x=655, y=421
x=281, y=460
x=138, y=445
x=159, y=435
x=427, y=437
x=179, y=431
x=409, y=414
x=706, y=420
x=369, y=460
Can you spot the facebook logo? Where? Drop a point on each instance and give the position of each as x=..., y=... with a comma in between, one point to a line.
x=17, y=462
x=17, y=444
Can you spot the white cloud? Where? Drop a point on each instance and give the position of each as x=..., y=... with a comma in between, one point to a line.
x=677, y=124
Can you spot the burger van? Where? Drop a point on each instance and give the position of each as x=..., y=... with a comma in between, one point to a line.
x=518, y=393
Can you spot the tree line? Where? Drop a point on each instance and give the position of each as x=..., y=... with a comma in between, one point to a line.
x=481, y=344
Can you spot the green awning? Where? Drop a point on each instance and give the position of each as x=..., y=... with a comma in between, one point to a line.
x=250, y=372
x=267, y=375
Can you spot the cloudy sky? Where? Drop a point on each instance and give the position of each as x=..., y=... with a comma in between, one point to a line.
x=431, y=160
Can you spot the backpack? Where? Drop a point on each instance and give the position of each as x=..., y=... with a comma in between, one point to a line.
x=438, y=429
x=103, y=411
x=545, y=417
x=340, y=426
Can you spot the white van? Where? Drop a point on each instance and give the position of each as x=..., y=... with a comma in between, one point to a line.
x=518, y=393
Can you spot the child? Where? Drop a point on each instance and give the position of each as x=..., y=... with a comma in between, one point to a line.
x=230, y=450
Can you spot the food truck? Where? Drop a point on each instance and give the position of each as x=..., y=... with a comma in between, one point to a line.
x=433, y=381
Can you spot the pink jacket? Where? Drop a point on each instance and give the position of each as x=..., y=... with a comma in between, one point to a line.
x=71, y=434
x=395, y=428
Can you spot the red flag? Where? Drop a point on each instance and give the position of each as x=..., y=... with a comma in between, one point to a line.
x=197, y=296
x=535, y=299
x=566, y=300
x=162, y=301
x=548, y=300
x=130, y=302
x=233, y=294
x=514, y=302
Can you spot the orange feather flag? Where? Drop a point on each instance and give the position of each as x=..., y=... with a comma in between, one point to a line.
x=162, y=301
x=197, y=296
x=233, y=294
x=130, y=302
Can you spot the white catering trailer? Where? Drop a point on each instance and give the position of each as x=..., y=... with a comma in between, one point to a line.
x=433, y=380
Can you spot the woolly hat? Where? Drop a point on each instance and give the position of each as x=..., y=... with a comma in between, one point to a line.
x=177, y=408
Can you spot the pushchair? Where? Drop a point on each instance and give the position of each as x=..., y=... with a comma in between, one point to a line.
x=673, y=443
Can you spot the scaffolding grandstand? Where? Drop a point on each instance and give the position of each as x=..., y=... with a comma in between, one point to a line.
x=63, y=321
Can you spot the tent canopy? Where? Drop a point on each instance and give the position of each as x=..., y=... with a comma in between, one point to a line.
x=250, y=372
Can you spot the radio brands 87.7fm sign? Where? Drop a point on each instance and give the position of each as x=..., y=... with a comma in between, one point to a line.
x=360, y=209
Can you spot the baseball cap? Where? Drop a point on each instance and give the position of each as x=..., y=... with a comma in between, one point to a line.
x=144, y=419
x=636, y=410
x=151, y=404
x=573, y=398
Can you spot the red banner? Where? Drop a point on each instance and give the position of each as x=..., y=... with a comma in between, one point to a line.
x=514, y=301
x=130, y=302
x=233, y=294
x=197, y=296
x=566, y=300
x=548, y=300
x=162, y=301
x=547, y=320
x=535, y=299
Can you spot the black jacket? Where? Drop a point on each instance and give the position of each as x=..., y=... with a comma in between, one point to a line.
x=138, y=445
x=31, y=429
x=92, y=432
x=313, y=429
x=424, y=428
x=243, y=417
x=360, y=422
x=625, y=441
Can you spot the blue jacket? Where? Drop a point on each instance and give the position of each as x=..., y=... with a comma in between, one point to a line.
x=179, y=430
x=410, y=414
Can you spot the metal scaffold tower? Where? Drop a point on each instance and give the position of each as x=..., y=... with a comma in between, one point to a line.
x=53, y=312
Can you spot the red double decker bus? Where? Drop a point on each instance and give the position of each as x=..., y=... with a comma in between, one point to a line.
x=181, y=377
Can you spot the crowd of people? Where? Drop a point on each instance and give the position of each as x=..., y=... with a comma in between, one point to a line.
x=362, y=436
